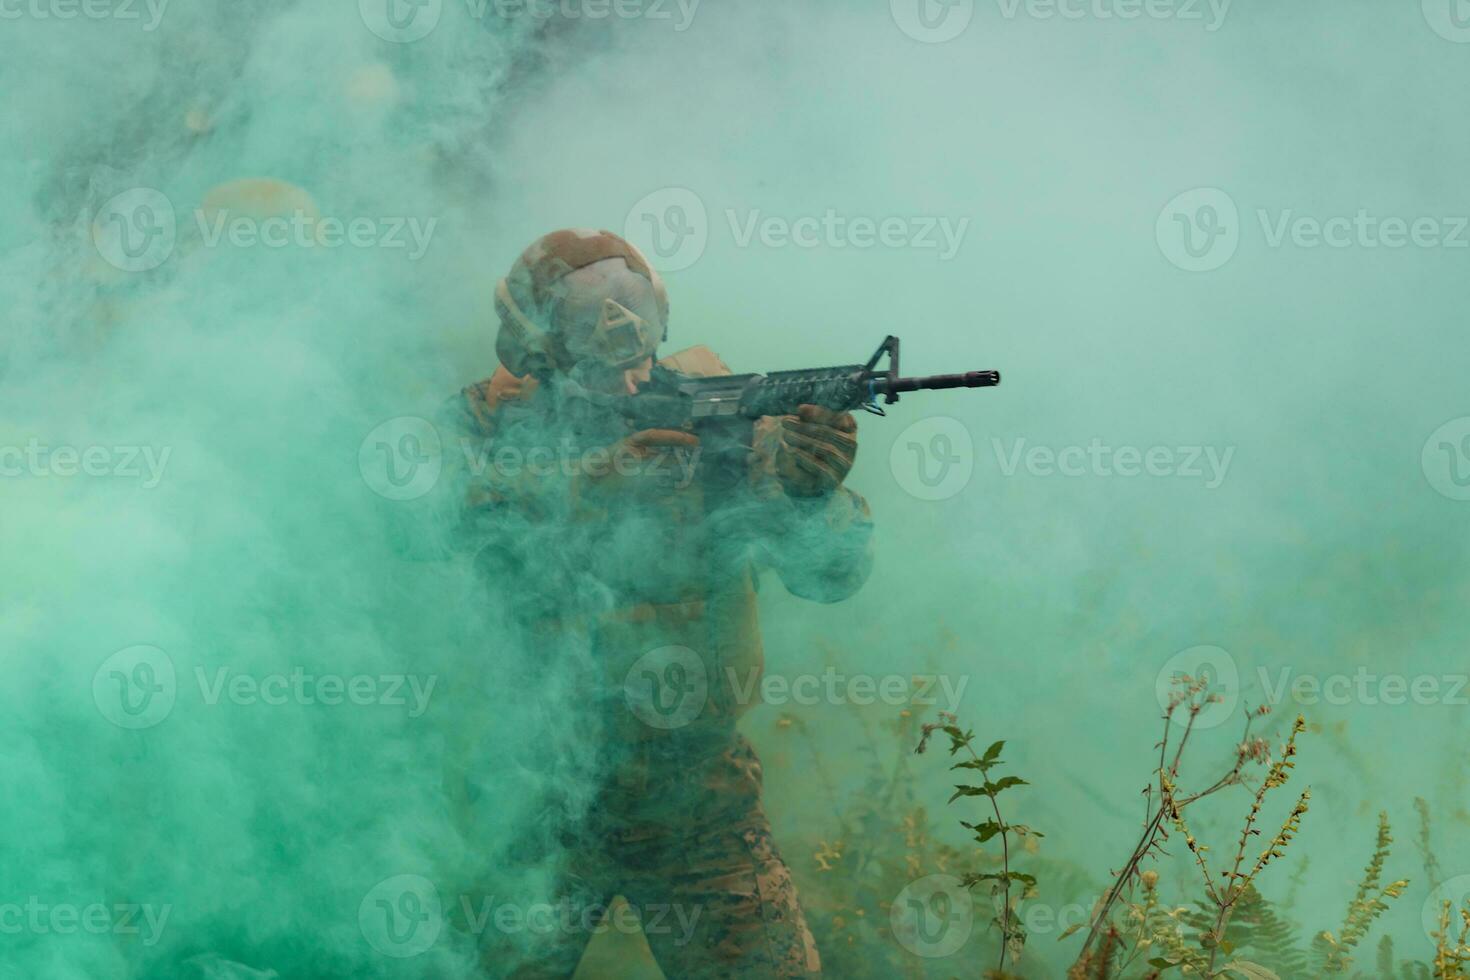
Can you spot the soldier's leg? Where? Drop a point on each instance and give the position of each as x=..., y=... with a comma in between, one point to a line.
x=728, y=911
x=718, y=902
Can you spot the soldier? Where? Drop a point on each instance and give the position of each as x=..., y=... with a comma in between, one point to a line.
x=637, y=570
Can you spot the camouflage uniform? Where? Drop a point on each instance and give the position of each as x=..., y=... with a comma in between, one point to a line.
x=678, y=823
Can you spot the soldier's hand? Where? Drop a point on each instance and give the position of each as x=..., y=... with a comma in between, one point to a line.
x=814, y=450
x=650, y=442
x=650, y=459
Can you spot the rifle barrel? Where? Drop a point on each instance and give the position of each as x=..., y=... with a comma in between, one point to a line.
x=935, y=382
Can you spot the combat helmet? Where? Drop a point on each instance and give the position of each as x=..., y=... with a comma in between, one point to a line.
x=576, y=297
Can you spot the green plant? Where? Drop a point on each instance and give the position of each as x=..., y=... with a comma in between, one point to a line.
x=1426, y=850
x=1241, y=876
x=1368, y=903
x=1164, y=802
x=1013, y=934
x=1451, y=952
x=1232, y=918
x=879, y=838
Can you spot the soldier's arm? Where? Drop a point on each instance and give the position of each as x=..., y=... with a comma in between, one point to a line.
x=482, y=500
x=821, y=537
x=822, y=547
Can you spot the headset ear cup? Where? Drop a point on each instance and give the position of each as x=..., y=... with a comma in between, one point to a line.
x=521, y=345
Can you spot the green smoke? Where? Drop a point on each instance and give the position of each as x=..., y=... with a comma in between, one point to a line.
x=1257, y=450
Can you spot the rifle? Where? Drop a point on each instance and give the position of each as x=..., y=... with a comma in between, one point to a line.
x=670, y=400
x=722, y=410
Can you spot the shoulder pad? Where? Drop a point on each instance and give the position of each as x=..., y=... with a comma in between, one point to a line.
x=697, y=362
x=484, y=397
